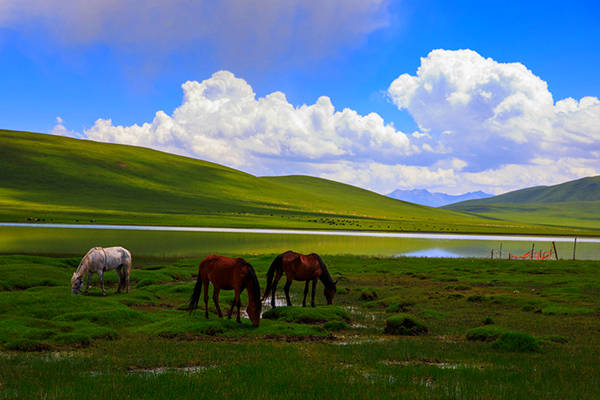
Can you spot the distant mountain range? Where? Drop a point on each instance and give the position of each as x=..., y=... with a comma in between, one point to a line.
x=434, y=199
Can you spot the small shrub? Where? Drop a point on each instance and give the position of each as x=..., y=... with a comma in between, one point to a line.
x=517, y=342
x=488, y=321
x=404, y=324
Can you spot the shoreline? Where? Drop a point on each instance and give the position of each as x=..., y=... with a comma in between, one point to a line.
x=386, y=234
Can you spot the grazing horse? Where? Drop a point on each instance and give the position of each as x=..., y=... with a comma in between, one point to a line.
x=228, y=273
x=98, y=260
x=299, y=267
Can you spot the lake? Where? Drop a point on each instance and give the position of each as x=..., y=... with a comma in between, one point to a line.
x=169, y=242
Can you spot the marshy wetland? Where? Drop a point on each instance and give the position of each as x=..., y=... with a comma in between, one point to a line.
x=484, y=329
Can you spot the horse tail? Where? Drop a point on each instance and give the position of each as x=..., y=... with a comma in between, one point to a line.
x=275, y=265
x=195, y=298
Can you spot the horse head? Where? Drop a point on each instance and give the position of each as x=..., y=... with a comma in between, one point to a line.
x=76, y=283
x=330, y=292
x=254, y=309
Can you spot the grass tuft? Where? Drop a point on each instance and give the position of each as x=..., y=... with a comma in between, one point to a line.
x=405, y=324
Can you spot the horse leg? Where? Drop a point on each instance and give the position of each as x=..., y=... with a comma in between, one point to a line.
x=206, y=298
x=286, y=288
x=216, y=300
x=305, y=293
x=275, y=282
x=89, y=279
x=120, y=274
x=101, y=273
x=126, y=272
x=236, y=300
x=231, y=309
x=312, y=297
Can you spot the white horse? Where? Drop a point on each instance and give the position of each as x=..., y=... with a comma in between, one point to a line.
x=98, y=260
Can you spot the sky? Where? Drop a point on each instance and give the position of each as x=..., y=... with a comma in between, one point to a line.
x=449, y=96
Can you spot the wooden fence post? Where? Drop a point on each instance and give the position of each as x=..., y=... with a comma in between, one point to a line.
x=574, y=247
x=500, y=249
x=555, y=252
x=492, y=256
x=531, y=254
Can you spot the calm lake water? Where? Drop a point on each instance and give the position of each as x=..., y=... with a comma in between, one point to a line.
x=154, y=241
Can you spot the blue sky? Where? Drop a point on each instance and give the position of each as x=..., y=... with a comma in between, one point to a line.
x=114, y=61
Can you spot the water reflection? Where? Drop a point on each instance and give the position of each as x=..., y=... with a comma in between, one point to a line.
x=175, y=243
x=434, y=252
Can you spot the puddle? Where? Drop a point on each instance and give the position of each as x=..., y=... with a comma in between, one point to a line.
x=377, y=377
x=358, y=340
x=360, y=311
x=162, y=370
x=433, y=363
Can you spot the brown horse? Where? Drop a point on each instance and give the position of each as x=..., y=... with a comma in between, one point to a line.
x=228, y=273
x=299, y=267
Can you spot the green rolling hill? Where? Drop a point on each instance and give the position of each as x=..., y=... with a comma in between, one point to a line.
x=49, y=178
x=570, y=204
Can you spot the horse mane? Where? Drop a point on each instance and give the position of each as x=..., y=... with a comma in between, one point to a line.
x=325, y=276
x=253, y=280
x=84, y=262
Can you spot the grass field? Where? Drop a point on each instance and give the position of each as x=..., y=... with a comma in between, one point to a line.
x=45, y=178
x=493, y=329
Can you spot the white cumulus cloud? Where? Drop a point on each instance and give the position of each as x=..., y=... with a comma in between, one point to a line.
x=492, y=114
x=222, y=120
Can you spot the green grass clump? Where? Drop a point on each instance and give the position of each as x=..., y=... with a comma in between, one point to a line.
x=486, y=333
x=517, y=342
x=307, y=315
x=405, y=324
x=335, y=326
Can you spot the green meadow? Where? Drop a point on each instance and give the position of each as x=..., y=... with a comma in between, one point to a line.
x=570, y=204
x=54, y=179
x=399, y=327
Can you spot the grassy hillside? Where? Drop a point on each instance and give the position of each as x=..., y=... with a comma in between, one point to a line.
x=580, y=190
x=56, y=179
x=570, y=204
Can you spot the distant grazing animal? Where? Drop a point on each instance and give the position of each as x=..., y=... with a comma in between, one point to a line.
x=226, y=273
x=98, y=260
x=299, y=267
